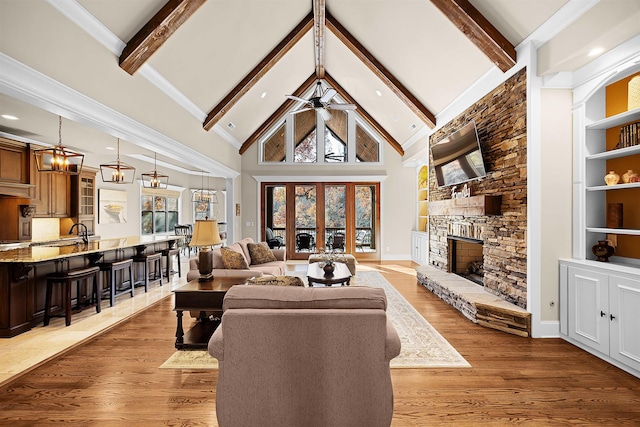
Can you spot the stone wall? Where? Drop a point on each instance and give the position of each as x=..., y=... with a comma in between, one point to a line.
x=501, y=122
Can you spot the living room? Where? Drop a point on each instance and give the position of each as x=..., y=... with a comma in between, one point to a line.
x=537, y=226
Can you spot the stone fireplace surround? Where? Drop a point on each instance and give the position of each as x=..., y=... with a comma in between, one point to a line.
x=500, y=118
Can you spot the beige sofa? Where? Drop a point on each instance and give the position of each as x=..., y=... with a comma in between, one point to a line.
x=274, y=268
x=296, y=356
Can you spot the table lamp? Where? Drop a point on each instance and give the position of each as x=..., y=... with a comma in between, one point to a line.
x=205, y=234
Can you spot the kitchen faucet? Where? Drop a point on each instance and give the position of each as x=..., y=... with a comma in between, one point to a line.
x=84, y=234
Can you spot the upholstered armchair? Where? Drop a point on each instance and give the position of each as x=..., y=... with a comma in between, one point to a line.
x=296, y=356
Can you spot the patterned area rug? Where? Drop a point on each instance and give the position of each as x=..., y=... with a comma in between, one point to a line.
x=422, y=345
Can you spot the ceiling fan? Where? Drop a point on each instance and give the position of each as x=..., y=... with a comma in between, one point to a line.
x=320, y=102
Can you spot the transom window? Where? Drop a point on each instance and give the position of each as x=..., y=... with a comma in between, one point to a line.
x=320, y=137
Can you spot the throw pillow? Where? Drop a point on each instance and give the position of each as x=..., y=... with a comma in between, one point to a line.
x=276, y=281
x=260, y=253
x=233, y=260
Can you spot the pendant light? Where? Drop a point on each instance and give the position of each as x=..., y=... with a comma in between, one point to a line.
x=117, y=172
x=202, y=195
x=58, y=158
x=155, y=179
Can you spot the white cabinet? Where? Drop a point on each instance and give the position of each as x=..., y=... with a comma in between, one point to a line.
x=420, y=247
x=600, y=311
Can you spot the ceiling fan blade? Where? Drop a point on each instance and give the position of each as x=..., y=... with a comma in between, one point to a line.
x=342, y=106
x=295, y=98
x=328, y=94
x=300, y=111
x=324, y=113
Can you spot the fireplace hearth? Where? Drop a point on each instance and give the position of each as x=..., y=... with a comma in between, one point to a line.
x=466, y=259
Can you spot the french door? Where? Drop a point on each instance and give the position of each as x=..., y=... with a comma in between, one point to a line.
x=311, y=217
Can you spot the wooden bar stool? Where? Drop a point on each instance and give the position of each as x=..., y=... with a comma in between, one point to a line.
x=168, y=255
x=153, y=260
x=66, y=278
x=118, y=288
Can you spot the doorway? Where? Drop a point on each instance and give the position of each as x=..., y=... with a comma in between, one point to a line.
x=311, y=217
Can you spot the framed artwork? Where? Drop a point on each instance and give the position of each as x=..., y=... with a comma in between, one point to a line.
x=112, y=206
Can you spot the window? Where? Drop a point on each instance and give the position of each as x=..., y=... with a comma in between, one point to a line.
x=159, y=214
x=320, y=137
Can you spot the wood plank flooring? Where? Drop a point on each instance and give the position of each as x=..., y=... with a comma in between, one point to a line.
x=114, y=379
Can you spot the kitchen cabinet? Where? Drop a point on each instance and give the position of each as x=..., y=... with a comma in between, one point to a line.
x=600, y=312
x=83, y=198
x=52, y=195
x=14, y=169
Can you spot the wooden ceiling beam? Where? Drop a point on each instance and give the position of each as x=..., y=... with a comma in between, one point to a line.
x=155, y=32
x=277, y=115
x=380, y=71
x=319, y=25
x=480, y=31
x=363, y=113
x=258, y=71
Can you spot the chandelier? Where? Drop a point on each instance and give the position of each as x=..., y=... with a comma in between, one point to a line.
x=117, y=172
x=204, y=196
x=59, y=158
x=155, y=179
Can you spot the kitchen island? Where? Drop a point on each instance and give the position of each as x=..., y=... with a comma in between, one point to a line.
x=23, y=273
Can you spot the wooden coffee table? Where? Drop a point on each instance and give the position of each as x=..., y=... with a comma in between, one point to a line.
x=341, y=274
x=203, y=297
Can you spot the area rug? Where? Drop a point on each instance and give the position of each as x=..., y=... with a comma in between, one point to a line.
x=422, y=344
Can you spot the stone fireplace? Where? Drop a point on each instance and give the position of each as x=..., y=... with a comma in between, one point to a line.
x=496, y=213
x=465, y=258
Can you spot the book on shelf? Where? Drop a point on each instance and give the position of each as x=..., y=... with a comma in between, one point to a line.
x=629, y=135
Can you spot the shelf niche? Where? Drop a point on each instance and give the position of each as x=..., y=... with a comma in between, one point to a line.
x=467, y=206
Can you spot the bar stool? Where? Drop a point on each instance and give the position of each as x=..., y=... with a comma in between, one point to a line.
x=168, y=254
x=153, y=260
x=66, y=278
x=112, y=268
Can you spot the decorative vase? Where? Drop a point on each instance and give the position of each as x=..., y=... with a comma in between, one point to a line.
x=612, y=178
x=629, y=176
x=328, y=269
x=614, y=215
x=602, y=250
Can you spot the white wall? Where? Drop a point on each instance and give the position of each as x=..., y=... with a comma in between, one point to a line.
x=556, y=198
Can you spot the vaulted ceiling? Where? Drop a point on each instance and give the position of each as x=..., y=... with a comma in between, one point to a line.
x=198, y=80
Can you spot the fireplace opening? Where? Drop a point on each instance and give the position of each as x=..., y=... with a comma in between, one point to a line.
x=465, y=258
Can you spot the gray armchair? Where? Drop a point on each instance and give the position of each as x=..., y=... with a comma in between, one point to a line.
x=296, y=356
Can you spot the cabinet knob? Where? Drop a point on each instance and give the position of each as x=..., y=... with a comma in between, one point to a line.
x=612, y=317
x=602, y=313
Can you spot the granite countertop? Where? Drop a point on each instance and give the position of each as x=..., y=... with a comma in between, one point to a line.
x=67, y=248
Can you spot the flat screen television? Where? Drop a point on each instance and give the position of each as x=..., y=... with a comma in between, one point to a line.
x=457, y=158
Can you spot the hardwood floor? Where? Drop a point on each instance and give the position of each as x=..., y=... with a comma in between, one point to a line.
x=114, y=379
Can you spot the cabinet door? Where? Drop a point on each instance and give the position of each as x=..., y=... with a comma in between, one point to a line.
x=59, y=195
x=624, y=304
x=42, y=195
x=589, y=308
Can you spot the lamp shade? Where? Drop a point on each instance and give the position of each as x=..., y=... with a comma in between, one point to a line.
x=205, y=233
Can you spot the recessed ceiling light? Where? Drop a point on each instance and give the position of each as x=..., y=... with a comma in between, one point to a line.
x=596, y=51
x=231, y=126
x=378, y=93
x=109, y=148
x=264, y=94
x=9, y=117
